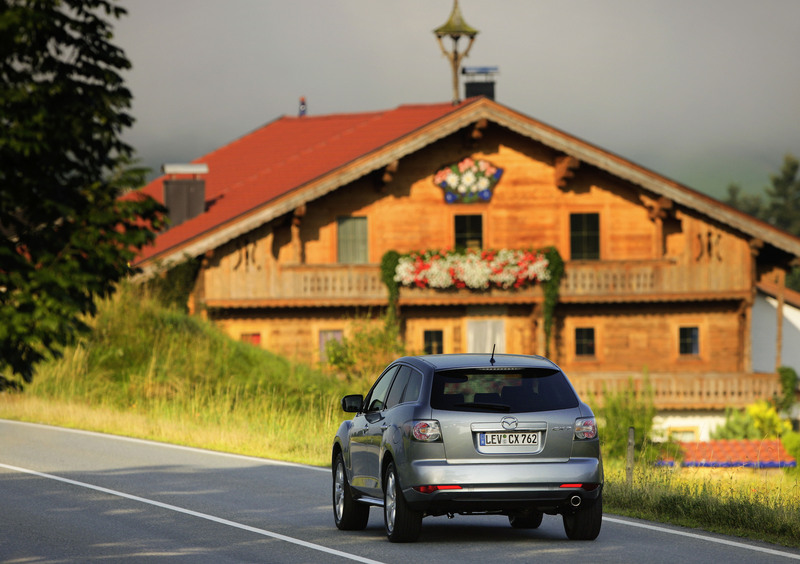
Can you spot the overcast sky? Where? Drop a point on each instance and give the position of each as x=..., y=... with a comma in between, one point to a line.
x=706, y=92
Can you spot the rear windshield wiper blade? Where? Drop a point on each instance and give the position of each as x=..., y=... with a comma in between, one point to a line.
x=485, y=406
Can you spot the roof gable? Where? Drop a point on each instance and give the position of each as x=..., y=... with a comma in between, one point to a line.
x=293, y=160
x=278, y=158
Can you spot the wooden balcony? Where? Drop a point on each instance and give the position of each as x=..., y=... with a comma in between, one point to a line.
x=584, y=281
x=646, y=280
x=683, y=391
x=332, y=281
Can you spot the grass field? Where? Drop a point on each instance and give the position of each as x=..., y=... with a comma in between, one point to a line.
x=152, y=372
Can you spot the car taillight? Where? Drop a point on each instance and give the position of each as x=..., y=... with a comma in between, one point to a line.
x=426, y=431
x=587, y=487
x=431, y=489
x=585, y=428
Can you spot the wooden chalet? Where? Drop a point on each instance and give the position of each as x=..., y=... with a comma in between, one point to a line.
x=293, y=219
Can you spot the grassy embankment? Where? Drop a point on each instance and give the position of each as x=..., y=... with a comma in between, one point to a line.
x=154, y=373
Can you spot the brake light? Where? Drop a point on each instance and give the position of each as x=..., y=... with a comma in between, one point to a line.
x=570, y=485
x=431, y=489
x=426, y=431
x=585, y=428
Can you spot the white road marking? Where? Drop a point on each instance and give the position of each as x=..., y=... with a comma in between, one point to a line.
x=702, y=537
x=185, y=511
x=317, y=468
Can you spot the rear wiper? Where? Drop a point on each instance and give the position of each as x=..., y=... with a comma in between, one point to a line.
x=486, y=406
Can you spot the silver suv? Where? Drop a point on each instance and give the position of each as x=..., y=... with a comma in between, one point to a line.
x=468, y=434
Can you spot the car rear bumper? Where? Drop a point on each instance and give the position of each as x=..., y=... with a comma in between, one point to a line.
x=548, y=487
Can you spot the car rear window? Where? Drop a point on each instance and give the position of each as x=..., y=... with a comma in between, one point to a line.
x=502, y=390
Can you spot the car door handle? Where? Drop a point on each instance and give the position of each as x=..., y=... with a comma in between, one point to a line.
x=384, y=427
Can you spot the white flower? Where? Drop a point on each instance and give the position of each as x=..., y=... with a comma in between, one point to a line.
x=453, y=180
x=404, y=273
x=468, y=179
x=439, y=274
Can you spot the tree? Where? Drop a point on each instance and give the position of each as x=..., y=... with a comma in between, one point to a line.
x=781, y=207
x=66, y=237
x=749, y=204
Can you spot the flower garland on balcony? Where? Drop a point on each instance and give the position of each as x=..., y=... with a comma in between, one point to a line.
x=476, y=270
x=507, y=269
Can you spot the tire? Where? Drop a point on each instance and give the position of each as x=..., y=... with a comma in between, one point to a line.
x=530, y=520
x=401, y=522
x=585, y=523
x=348, y=514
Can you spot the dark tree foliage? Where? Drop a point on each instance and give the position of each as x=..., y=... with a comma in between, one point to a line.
x=66, y=237
x=780, y=206
x=749, y=204
x=783, y=197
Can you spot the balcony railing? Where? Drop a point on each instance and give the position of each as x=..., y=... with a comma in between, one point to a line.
x=331, y=281
x=583, y=280
x=638, y=278
x=683, y=391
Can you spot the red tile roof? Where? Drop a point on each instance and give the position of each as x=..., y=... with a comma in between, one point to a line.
x=292, y=160
x=284, y=155
x=767, y=453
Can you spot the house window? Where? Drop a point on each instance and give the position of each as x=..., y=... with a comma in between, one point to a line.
x=324, y=337
x=252, y=338
x=434, y=342
x=469, y=232
x=689, y=341
x=584, y=341
x=352, y=240
x=584, y=236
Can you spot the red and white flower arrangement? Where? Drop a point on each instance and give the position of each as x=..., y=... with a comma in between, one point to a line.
x=477, y=270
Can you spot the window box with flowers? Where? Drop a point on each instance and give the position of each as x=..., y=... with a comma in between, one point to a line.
x=468, y=181
x=478, y=271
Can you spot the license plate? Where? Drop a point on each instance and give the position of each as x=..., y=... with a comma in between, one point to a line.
x=508, y=439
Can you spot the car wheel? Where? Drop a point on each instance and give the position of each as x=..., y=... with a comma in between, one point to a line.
x=585, y=523
x=529, y=520
x=402, y=523
x=348, y=514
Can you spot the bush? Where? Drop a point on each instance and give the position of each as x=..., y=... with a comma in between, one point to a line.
x=623, y=409
x=788, y=386
x=370, y=348
x=759, y=420
x=738, y=425
x=791, y=442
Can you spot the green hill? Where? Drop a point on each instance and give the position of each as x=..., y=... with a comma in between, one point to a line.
x=152, y=371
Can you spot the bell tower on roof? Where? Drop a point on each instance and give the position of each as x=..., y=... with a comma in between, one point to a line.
x=454, y=28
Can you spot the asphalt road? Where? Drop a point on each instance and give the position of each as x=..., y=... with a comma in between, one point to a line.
x=72, y=496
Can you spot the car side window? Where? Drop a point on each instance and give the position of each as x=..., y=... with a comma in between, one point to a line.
x=376, y=400
x=411, y=393
x=399, y=386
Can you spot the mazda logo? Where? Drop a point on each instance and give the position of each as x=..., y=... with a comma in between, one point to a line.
x=509, y=423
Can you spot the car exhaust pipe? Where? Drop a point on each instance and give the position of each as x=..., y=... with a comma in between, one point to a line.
x=575, y=500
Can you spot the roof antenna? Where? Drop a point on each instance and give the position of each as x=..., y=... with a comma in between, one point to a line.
x=491, y=360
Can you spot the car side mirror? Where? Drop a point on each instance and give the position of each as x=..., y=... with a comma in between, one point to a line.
x=352, y=403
